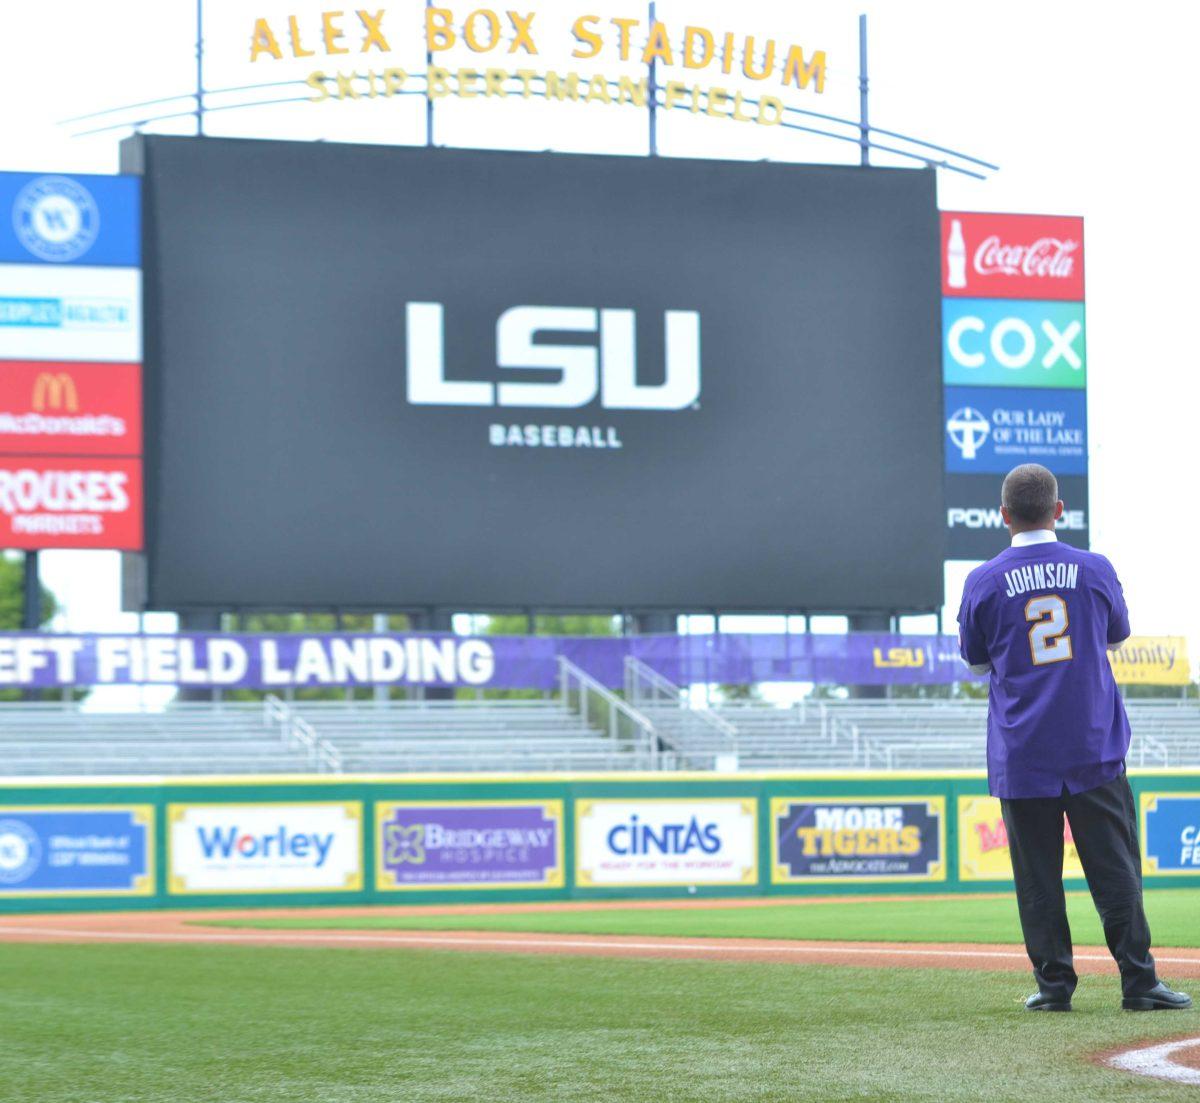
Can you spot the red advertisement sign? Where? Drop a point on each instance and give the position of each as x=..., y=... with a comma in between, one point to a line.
x=1012, y=256
x=70, y=503
x=70, y=409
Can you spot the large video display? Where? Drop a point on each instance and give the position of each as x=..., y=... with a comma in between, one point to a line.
x=392, y=377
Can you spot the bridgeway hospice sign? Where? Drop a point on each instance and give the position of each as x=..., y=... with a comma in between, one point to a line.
x=469, y=844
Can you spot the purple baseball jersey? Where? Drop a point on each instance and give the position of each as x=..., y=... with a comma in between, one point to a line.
x=1043, y=616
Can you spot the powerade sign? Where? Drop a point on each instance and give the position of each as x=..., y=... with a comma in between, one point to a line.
x=1171, y=833
x=65, y=851
x=989, y=342
x=469, y=844
x=858, y=839
x=976, y=526
x=992, y=429
x=79, y=219
x=511, y=356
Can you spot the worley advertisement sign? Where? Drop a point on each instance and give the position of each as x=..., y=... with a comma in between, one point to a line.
x=232, y=848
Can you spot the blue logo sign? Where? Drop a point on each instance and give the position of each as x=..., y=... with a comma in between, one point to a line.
x=106, y=314
x=1005, y=343
x=990, y=430
x=86, y=220
x=56, y=218
x=1172, y=832
x=50, y=851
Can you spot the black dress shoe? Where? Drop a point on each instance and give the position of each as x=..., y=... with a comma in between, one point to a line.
x=1039, y=1001
x=1159, y=998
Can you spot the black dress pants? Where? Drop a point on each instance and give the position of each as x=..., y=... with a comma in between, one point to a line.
x=1104, y=827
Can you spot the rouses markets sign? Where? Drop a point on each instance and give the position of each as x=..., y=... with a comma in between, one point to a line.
x=358, y=50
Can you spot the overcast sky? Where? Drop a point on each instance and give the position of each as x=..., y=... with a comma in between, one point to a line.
x=1080, y=104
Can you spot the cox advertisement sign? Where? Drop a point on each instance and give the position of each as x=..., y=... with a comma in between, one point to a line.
x=71, y=850
x=677, y=841
x=862, y=839
x=993, y=429
x=467, y=844
x=987, y=342
x=1012, y=256
x=983, y=843
x=1171, y=834
x=310, y=847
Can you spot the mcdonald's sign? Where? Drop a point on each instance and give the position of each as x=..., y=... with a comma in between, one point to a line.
x=55, y=390
x=70, y=409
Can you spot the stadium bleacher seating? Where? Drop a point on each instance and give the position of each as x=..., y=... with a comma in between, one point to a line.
x=582, y=727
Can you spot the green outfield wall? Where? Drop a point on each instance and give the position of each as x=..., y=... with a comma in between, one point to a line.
x=271, y=841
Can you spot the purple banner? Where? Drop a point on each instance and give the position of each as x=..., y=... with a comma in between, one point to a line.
x=280, y=662
x=469, y=844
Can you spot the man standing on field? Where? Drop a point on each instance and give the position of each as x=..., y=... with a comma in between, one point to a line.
x=1040, y=618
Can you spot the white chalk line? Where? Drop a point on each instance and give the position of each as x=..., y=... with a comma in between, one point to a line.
x=1156, y=1061
x=408, y=938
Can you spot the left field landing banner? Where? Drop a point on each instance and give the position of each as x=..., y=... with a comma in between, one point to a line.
x=70, y=313
x=76, y=850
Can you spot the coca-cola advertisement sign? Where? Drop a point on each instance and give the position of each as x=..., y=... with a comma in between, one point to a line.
x=70, y=503
x=1012, y=256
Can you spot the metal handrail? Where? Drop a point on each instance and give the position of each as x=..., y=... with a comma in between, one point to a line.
x=636, y=672
x=295, y=729
x=651, y=740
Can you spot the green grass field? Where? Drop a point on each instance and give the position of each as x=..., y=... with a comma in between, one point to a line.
x=233, y=1024
x=1174, y=918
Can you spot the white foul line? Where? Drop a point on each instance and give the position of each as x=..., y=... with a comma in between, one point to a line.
x=406, y=938
x=1156, y=1061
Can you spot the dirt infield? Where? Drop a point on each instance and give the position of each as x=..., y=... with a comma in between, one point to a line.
x=188, y=927
x=1177, y=1061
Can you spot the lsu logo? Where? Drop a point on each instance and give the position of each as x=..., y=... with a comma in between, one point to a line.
x=899, y=658
x=607, y=369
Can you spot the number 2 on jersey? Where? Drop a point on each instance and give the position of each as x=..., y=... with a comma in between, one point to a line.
x=1048, y=639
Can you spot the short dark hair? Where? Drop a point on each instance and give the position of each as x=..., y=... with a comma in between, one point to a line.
x=1030, y=493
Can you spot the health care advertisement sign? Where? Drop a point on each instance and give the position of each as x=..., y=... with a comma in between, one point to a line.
x=1170, y=834
x=670, y=842
x=70, y=362
x=860, y=839
x=1014, y=365
x=462, y=844
x=76, y=850
x=222, y=848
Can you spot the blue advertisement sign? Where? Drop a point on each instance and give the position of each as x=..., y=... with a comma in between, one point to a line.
x=73, y=851
x=84, y=220
x=861, y=839
x=1171, y=833
x=1013, y=343
x=990, y=430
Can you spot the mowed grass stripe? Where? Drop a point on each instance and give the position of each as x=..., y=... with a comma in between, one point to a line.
x=232, y=1024
x=1174, y=919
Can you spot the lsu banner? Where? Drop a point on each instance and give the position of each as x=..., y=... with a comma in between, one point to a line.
x=1171, y=834
x=72, y=850
x=983, y=843
x=1152, y=661
x=859, y=839
x=222, y=848
x=469, y=844
x=681, y=841
x=42, y=660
